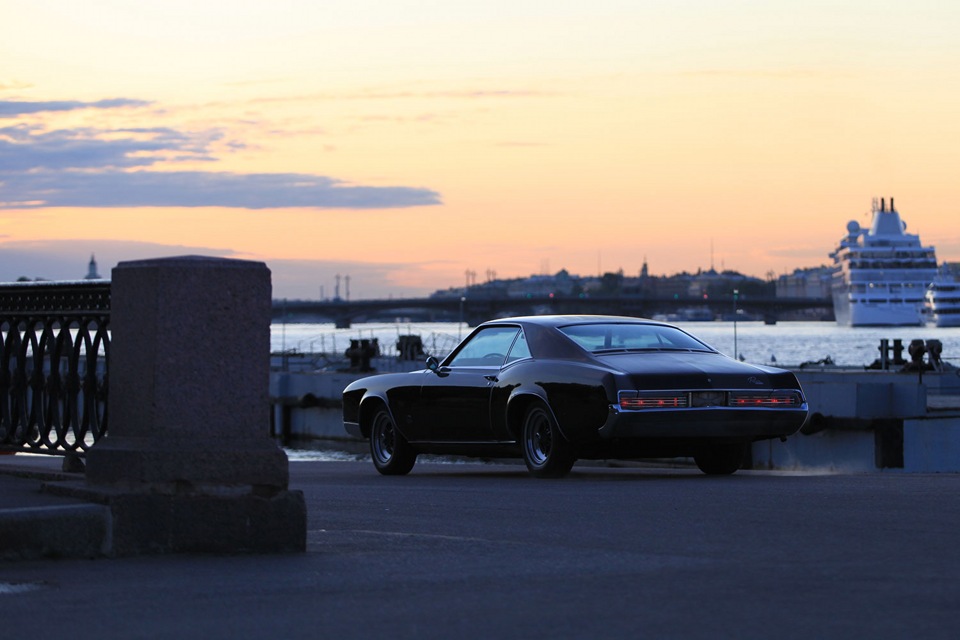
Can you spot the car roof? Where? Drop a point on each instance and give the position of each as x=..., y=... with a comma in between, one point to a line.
x=565, y=320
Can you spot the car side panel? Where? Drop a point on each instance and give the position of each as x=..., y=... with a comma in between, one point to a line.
x=455, y=405
x=399, y=391
x=577, y=393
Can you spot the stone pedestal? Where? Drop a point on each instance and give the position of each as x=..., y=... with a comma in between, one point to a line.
x=188, y=464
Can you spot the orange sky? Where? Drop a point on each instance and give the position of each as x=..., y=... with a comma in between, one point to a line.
x=405, y=144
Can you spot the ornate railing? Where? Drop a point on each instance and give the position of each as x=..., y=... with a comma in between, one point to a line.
x=54, y=348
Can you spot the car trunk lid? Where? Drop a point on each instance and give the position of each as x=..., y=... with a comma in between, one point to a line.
x=686, y=370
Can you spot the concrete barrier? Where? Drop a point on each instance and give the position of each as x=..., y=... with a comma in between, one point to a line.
x=869, y=420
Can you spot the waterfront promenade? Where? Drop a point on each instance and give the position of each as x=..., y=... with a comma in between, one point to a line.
x=483, y=551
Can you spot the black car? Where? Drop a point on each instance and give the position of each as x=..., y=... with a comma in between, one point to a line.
x=554, y=389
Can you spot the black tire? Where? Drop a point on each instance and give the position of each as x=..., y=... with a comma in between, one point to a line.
x=721, y=460
x=545, y=451
x=392, y=454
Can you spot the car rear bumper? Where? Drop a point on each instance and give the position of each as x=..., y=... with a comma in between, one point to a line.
x=705, y=422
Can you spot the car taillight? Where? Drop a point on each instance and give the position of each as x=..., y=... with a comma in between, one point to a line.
x=765, y=399
x=634, y=400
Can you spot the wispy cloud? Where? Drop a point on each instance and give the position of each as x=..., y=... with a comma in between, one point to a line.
x=12, y=108
x=13, y=85
x=28, y=148
x=517, y=143
x=201, y=189
x=101, y=167
x=771, y=74
x=468, y=94
x=382, y=94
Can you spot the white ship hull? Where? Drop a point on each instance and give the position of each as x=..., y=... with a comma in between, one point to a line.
x=875, y=314
x=885, y=315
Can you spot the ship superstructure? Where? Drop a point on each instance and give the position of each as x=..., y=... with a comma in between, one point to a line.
x=881, y=274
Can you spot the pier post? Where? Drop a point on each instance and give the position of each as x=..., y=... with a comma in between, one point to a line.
x=188, y=464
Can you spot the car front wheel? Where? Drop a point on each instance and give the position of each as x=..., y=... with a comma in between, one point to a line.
x=721, y=460
x=392, y=454
x=545, y=451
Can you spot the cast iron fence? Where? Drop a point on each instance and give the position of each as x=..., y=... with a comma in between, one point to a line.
x=54, y=348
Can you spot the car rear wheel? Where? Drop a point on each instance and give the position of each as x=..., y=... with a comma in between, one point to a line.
x=721, y=460
x=392, y=454
x=545, y=451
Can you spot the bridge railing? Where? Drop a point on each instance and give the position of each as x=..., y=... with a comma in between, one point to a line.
x=54, y=348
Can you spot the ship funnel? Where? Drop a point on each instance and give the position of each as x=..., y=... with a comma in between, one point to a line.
x=883, y=204
x=891, y=204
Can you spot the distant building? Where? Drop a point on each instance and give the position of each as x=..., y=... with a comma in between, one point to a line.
x=92, y=270
x=540, y=285
x=805, y=283
x=705, y=281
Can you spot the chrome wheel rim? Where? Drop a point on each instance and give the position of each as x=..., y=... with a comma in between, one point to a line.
x=383, y=438
x=539, y=438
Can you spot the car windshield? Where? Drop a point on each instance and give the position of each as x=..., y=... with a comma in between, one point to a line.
x=623, y=337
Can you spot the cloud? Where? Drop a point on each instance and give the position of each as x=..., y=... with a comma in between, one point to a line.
x=455, y=95
x=772, y=74
x=467, y=94
x=14, y=85
x=27, y=148
x=200, y=189
x=13, y=108
x=521, y=144
x=94, y=167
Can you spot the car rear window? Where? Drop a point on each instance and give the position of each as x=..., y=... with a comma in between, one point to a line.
x=613, y=337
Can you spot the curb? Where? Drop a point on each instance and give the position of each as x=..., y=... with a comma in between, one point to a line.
x=78, y=530
x=69, y=531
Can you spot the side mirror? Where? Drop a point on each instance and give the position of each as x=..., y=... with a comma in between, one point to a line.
x=432, y=364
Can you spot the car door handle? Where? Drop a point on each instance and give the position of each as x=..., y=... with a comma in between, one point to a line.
x=491, y=378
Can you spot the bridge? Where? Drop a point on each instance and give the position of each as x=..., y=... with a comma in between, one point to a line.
x=476, y=309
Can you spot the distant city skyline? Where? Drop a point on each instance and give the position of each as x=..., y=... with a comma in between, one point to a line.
x=404, y=143
x=340, y=288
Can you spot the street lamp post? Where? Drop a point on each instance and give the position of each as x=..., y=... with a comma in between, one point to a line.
x=736, y=292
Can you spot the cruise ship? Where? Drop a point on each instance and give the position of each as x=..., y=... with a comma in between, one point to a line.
x=881, y=274
x=943, y=296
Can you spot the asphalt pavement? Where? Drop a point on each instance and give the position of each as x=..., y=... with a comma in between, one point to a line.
x=484, y=551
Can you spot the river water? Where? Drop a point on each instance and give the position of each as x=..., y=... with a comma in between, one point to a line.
x=783, y=344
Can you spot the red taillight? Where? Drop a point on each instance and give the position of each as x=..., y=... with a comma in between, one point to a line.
x=777, y=399
x=641, y=400
x=634, y=401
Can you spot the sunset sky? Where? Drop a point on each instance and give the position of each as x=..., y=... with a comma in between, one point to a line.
x=405, y=142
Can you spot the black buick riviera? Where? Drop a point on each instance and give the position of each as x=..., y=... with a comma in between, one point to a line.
x=555, y=389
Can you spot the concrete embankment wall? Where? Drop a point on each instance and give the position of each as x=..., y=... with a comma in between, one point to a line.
x=869, y=420
x=306, y=405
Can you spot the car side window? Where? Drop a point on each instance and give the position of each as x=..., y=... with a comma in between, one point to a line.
x=520, y=348
x=487, y=348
